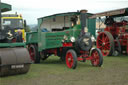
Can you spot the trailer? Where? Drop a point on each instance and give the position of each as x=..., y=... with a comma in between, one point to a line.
x=67, y=35
x=14, y=57
x=114, y=39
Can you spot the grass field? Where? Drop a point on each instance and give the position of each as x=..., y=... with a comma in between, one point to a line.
x=54, y=72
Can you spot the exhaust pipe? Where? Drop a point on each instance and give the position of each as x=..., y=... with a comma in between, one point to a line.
x=83, y=18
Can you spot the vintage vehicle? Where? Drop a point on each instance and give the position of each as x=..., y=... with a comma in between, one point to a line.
x=67, y=35
x=14, y=57
x=16, y=22
x=114, y=39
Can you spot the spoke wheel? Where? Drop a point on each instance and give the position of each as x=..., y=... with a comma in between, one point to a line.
x=105, y=42
x=97, y=57
x=34, y=54
x=71, y=59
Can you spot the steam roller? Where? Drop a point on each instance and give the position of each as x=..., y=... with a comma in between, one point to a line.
x=14, y=61
x=14, y=57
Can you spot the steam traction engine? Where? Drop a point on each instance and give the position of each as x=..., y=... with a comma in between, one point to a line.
x=66, y=35
x=114, y=39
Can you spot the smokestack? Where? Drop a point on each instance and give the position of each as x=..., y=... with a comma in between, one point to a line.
x=83, y=17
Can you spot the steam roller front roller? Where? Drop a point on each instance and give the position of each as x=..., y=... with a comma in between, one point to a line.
x=14, y=61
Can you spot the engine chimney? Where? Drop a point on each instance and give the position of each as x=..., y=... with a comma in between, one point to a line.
x=83, y=17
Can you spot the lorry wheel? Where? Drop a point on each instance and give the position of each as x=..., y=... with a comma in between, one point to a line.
x=97, y=57
x=34, y=54
x=71, y=59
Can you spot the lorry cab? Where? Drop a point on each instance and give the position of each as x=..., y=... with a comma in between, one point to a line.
x=15, y=22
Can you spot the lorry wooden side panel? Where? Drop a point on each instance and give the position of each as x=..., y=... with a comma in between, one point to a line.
x=55, y=39
x=31, y=37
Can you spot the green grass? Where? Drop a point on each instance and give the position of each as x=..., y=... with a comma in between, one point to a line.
x=54, y=72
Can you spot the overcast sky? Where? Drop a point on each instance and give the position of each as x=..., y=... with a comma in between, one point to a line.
x=33, y=9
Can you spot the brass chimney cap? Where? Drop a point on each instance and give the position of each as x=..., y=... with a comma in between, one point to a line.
x=83, y=11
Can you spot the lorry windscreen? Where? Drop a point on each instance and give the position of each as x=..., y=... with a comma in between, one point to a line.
x=13, y=23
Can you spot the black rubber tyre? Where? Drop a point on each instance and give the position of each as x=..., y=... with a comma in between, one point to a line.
x=34, y=54
x=97, y=57
x=71, y=59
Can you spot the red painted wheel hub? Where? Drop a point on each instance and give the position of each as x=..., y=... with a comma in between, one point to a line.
x=95, y=58
x=69, y=60
x=103, y=43
x=32, y=54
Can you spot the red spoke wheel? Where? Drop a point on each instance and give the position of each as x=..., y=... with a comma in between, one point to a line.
x=71, y=59
x=97, y=57
x=105, y=42
x=34, y=54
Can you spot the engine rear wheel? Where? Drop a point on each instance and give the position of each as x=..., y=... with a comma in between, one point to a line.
x=71, y=59
x=105, y=42
x=97, y=57
x=34, y=54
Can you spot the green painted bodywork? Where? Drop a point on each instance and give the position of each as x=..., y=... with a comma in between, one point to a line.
x=55, y=39
x=32, y=37
x=8, y=45
x=5, y=7
x=48, y=40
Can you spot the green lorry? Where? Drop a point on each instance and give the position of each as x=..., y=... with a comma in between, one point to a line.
x=14, y=57
x=67, y=35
